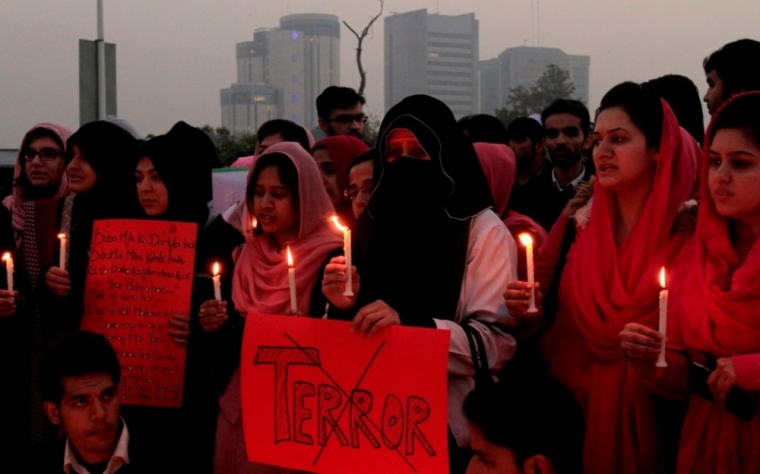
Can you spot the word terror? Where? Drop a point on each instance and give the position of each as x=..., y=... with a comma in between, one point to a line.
x=399, y=421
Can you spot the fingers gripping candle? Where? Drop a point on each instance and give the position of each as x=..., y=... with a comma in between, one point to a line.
x=9, y=269
x=217, y=283
x=347, y=252
x=527, y=241
x=292, y=281
x=663, y=319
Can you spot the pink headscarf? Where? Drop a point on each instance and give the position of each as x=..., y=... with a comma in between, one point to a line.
x=261, y=272
x=15, y=201
x=500, y=167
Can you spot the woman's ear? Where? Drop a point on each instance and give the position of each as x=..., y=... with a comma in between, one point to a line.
x=538, y=464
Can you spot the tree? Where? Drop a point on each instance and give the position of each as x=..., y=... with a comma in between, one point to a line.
x=360, y=40
x=553, y=84
x=230, y=146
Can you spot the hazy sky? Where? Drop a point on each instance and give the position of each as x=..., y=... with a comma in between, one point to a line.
x=173, y=56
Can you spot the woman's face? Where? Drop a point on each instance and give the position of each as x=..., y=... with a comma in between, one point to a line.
x=360, y=186
x=402, y=142
x=151, y=190
x=329, y=178
x=81, y=175
x=623, y=160
x=734, y=175
x=44, y=162
x=274, y=206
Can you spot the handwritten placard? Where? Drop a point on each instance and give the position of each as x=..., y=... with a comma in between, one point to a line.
x=140, y=274
x=319, y=398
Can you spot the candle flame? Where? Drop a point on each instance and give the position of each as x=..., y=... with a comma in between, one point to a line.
x=526, y=239
x=290, y=258
x=662, y=277
x=61, y=235
x=254, y=223
x=337, y=223
x=216, y=268
x=6, y=256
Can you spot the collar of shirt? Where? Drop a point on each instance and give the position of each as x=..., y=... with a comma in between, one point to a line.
x=572, y=184
x=119, y=458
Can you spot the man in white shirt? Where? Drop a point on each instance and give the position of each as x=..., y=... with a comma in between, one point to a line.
x=79, y=385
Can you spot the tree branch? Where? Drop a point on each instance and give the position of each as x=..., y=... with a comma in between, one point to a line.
x=360, y=40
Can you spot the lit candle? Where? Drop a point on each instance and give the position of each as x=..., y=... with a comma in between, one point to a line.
x=254, y=223
x=217, y=283
x=663, y=319
x=527, y=241
x=292, y=281
x=62, y=252
x=347, y=252
x=9, y=269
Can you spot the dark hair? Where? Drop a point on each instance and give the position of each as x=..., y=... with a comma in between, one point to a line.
x=736, y=65
x=484, y=128
x=683, y=97
x=642, y=106
x=572, y=107
x=290, y=131
x=23, y=179
x=335, y=97
x=742, y=114
x=75, y=355
x=525, y=127
x=369, y=155
x=285, y=169
x=530, y=415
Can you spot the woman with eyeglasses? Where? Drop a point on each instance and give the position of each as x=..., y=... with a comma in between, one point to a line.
x=35, y=204
x=333, y=156
x=623, y=235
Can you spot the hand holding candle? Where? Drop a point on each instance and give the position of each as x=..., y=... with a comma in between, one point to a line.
x=292, y=281
x=9, y=269
x=217, y=283
x=62, y=252
x=347, y=253
x=663, y=319
x=527, y=241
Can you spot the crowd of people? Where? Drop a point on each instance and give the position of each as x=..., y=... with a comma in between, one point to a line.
x=572, y=386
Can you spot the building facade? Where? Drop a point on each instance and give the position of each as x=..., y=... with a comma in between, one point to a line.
x=282, y=71
x=432, y=54
x=522, y=66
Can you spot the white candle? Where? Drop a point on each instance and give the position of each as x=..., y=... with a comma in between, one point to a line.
x=663, y=319
x=347, y=253
x=527, y=241
x=292, y=281
x=217, y=283
x=9, y=269
x=62, y=252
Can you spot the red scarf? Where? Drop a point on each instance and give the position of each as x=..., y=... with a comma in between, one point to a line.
x=604, y=288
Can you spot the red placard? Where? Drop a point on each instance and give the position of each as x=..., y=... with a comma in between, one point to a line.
x=320, y=399
x=140, y=273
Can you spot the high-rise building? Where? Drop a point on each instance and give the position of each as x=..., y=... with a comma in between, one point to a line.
x=432, y=54
x=282, y=71
x=522, y=66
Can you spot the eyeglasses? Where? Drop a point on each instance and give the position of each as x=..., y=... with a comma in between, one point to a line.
x=354, y=190
x=46, y=154
x=570, y=132
x=347, y=119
